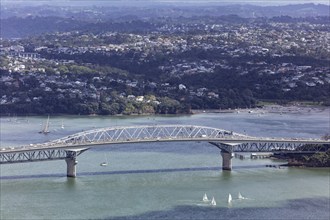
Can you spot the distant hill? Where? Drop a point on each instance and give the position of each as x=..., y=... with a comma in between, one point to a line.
x=16, y=27
x=30, y=26
x=27, y=21
x=166, y=10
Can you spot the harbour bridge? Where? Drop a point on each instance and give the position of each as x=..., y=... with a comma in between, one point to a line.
x=70, y=147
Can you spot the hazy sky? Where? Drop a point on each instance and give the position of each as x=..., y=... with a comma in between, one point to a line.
x=148, y=2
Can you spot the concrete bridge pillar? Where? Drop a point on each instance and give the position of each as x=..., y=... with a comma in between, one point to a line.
x=226, y=153
x=71, y=163
x=226, y=160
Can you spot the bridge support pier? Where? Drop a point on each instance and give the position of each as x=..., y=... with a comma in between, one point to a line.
x=226, y=154
x=71, y=167
x=71, y=161
x=226, y=160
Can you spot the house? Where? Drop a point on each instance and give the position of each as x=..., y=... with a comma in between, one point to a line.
x=139, y=98
x=182, y=87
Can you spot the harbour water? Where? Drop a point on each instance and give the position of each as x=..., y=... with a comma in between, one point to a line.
x=163, y=180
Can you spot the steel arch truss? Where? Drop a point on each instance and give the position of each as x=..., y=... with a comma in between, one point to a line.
x=38, y=155
x=270, y=147
x=223, y=139
x=145, y=134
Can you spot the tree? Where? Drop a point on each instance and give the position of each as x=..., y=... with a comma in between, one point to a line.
x=129, y=109
x=168, y=106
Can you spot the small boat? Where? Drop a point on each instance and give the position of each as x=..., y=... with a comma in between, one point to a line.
x=240, y=196
x=205, y=199
x=45, y=130
x=213, y=202
x=103, y=164
x=229, y=198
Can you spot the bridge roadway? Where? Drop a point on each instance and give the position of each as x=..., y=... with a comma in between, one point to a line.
x=69, y=147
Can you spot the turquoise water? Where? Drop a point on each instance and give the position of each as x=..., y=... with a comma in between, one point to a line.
x=163, y=180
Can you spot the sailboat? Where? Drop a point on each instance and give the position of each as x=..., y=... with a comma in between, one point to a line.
x=205, y=199
x=62, y=125
x=45, y=130
x=229, y=198
x=213, y=202
x=240, y=196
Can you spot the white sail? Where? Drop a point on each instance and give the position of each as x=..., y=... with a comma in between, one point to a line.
x=229, y=198
x=205, y=199
x=240, y=196
x=213, y=202
x=62, y=125
x=45, y=130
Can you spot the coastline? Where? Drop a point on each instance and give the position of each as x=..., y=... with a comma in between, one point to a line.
x=316, y=160
x=271, y=108
x=274, y=108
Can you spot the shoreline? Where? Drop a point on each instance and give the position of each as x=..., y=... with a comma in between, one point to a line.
x=274, y=108
x=280, y=109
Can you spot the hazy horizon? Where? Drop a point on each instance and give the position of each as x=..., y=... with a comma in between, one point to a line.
x=155, y=2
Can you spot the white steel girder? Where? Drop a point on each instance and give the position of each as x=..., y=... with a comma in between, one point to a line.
x=225, y=140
